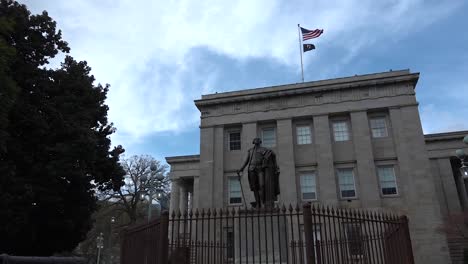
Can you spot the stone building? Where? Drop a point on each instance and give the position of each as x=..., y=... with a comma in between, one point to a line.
x=353, y=142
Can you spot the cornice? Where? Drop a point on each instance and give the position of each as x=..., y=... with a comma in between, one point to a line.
x=316, y=87
x=181, y=159
x=454, y=135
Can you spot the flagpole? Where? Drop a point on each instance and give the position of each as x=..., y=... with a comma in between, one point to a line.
x=300, y=50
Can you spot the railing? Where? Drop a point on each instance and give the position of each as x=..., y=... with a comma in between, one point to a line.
x=307, y=234
x=355, y=236
x=7, y=259
x=146, y=243
x=311, y=234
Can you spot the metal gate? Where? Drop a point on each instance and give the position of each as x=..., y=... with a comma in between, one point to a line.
x=146, y=243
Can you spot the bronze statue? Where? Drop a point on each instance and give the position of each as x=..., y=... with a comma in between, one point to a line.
x=263, y=174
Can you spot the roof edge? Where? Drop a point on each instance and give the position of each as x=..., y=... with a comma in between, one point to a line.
x=185, y=158
x=446, y=135
x=308, y=87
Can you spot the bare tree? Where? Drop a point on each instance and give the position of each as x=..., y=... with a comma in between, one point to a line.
x=145, y=176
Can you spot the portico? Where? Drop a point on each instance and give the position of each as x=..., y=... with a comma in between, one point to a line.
x=185, y=180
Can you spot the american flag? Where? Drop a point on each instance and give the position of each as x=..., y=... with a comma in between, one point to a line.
x=310, y=34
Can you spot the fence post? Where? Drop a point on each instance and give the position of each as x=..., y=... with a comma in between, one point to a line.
x=163, y=237
x=308, y=233
x=408, y=239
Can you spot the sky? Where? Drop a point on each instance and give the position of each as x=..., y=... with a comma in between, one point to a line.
x=159, y=56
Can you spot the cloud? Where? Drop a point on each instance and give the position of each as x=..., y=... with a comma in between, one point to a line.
x=438, y=120
x=144, y=49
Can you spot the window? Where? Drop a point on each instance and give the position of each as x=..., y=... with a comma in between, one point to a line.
x=340, y=131
x=234, y=191
x=346, y=183
x=234, y=140
x=355, y=238
x=378, y=127
x=303, y=135
x=387, y=180
x=308, y=186
x=229, y=236
x=269, y=137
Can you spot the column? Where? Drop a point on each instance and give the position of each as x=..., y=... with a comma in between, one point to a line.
x=285, y=159
x=368, y=190
x=326, y=180
x=183, y=200
x=218, y=194
x=420, y=201
x=206, y=167
x=450, y=185
x=174, y=204
x=249, y=132
x=196, y=192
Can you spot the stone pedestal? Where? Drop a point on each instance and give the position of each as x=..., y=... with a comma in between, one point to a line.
x=260, y=237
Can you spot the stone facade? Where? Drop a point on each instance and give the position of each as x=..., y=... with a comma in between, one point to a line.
x=336, y=119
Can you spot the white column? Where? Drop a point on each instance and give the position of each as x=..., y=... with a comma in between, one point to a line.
x=195, y=193
x=174, y=205
x=183, y=200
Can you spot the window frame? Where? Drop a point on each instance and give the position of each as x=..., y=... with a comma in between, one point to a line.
x=234, y=179
x=384, y=118
x=229, y=253
x=362, y=245
x=309, y=138
x=308, y=173
x=394, y=177
x=354, y=183
x=263, y=138
x=348, y=130
x=229, y=139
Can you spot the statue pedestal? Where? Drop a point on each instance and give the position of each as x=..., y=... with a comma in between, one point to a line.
x=261, y=236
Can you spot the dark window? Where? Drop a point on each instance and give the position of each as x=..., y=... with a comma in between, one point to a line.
x=234, y=191
x=229, y=243
x=234, y=141
x=355, y=239
x=346, y=183
x=387, y=179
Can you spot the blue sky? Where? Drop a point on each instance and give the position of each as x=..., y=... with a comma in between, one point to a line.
x=159, y=56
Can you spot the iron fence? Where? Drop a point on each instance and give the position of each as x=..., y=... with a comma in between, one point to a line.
x=146, y=243
x=7, y=259
x=311, y=234
x=306, y=234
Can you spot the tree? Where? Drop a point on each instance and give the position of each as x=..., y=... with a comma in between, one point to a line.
x=55, y=147
x=141, y=179
x=126, y=206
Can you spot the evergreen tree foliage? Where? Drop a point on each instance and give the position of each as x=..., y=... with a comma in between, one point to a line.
x=55, y=150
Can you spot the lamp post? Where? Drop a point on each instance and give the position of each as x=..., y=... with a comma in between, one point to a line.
x=109, y=247
x=146, y=184
x=99, y=245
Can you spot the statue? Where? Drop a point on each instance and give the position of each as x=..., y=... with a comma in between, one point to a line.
x=263, y=174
